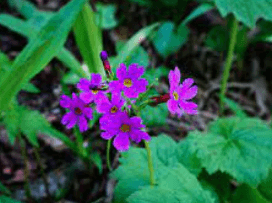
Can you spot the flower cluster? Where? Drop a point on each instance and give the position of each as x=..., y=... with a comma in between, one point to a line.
x=113, y=100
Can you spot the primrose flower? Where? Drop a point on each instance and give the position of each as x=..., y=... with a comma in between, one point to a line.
x=91, y=89
x=180, y=94
x=124, y=129
x=129, y=81
x=109, y=108
x=78, y=114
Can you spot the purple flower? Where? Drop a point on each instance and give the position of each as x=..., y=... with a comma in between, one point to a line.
x=123, y=128
x=129, y=81
x=109, y=108
x=78, y=113
x=91, y=89
x=180, y=94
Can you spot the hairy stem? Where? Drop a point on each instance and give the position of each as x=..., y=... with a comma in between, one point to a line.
x=234, y=31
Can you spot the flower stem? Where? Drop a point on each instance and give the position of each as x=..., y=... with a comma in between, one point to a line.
x=26, y=170
x=234, y=31
x=79, y=142
x=150, y=164
x=108, y=154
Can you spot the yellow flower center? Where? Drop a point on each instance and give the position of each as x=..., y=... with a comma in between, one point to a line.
x=114, y=109
x=78, y=111
x=125, y=128
x=95, y=91
x=176, y=96
x=128, y=82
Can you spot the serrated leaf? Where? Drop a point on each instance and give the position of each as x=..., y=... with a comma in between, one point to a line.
x=241, y=147
x=177, y=185
x=246, y=11
x=247, y=194
x=154, y=116
x=167, y=41
x=105, y=16
x=39, y=51
x=5, y=199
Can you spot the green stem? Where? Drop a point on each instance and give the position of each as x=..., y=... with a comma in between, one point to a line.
x=234, y=31
x=79, y=142
x=26, y=169
x=38, y=158
x=150, y=164
x=108, y=155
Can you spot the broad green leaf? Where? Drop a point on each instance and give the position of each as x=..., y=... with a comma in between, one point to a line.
x=241, y=147
x=153, y=74
x=39, y=51
x=200, y=10
x=247, y=194
x=139, y=56
x=167, y=41
x=208, y=187
x=131, y=44
x=265, y=188
x=246, y=11
x=5, y=199
x=154, y=116
x=29, y=87
x=89, y=39
x=177, y=185
x=105, y=16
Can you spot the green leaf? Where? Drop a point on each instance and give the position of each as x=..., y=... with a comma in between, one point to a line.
x=139, y=56
x=24, y=7
x=39, y=51
x=12, y=122
x=96, y=158
x=133, y=173
x=154, y=116
x=177, y=185
x=218, y=38
x=89, y=39
x=5, y=199
x=105, y=16
x=131, y=44
x=4, y=189
x=200, y=10
x=153, y=74
x=265, y=188
x=247, y=194
x=29, y=87
x=236, y=109
x=70, y=78
x=167, y=41
x=246, y=11
x=241, y=147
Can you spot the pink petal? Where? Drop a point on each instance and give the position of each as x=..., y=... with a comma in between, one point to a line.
x=121, y=72
x=188, y=93
x=67, y=117
x=82, y=123
x=140, y=85
x=137, y=135
x=72, y=121
x=136, y=122
x=189, y=107
x=115, y=87
x=131, y=92
x=106, y=135
x=96, y=78
x=83, y=84
x=134, y=71
x=87, y=97
x=172, y=106
x=188, y=82
x=174, y=78
x=88, y=112
x=121, y=142
x=65, y=101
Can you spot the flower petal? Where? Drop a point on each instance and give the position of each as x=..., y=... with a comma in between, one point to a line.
x=67, y=117
x=136, y=122
x=107, y=135
x=72, y=121
x=186, y=93
x=131, y=92
x=140, y=85
x=174, y=78
x=189, y=107
x=84, y=84
x=87, y=97
x=88, y=112
x=188, y=82
x=172, y=106
x=121, y=72
x=135, y=71
x=137, y=135
x=121, y=142
x=96, y=79
x=82, y=123
x=65, y=101
x=115, y=87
